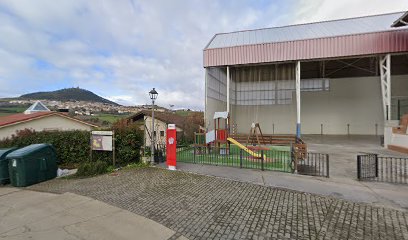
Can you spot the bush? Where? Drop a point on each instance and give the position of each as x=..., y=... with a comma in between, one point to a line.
x=87, y=169
x=73, y=146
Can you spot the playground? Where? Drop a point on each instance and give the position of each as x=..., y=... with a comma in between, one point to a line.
x=223, y=147
x=277, y=158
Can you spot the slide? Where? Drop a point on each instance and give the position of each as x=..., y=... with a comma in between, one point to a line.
x=257, y=155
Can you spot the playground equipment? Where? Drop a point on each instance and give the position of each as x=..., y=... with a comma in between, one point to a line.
x=200, y=141
x=220, y=138
x=252, y=153
x=199, y=138
x=221, y=134
x=254, y=131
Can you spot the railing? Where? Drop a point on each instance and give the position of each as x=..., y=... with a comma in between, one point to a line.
x=372, y=167
x=315, y=164
x=267, y=139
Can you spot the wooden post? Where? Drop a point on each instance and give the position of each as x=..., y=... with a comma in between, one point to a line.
x=113, y=148
x=90, y=146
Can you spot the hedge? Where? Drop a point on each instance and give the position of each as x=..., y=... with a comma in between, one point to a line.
x=73, y=146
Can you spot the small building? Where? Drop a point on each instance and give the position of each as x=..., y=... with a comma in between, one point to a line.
x=161, y=121
x=39, y=118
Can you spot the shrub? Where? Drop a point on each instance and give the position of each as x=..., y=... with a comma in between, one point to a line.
x=73, y=146
x=87, y=169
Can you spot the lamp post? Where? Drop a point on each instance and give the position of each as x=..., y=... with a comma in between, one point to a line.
x=153, y=96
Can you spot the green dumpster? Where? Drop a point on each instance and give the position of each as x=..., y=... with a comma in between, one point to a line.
x=32, y=164
x=4, y=170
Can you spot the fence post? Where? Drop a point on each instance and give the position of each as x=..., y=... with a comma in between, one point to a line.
x=262, y=160
x=240, y=158
x=293, y=157
x=327, y=165
x=194, y=155
x=376, y=165
x=359, y=167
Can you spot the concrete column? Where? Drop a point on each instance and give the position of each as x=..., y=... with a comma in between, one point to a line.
x=228, y=89
x=206, y=122
x=385, y=78
x=298, y=125
x=389, y=85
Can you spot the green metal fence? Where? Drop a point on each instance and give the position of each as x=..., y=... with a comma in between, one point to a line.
x=280, y=159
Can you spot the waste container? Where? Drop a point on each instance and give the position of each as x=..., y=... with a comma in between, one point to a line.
x=32, y=164
x=4, y=169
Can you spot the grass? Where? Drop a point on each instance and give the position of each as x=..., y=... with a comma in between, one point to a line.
x=135, y=165
x=183, y=113
x=278, y=158
x=111, y=118
x=5, y=111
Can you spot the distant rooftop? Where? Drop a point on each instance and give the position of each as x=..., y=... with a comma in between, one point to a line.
x=38, y=106
x=21, y=117
x=350, y=26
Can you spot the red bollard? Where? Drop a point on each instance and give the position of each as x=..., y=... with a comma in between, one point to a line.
x=171, y=143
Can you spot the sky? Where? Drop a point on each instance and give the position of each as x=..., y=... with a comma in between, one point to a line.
x=121, y=49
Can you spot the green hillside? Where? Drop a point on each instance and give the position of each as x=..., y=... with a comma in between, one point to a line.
x=67, y=94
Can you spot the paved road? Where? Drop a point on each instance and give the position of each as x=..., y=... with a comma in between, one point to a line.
x=203, y=207
x=379, y=194
x=41, y=216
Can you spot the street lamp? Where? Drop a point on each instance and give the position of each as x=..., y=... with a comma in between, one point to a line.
x=153, y=95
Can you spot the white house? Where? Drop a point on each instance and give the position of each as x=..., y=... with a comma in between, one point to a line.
x=39, y=118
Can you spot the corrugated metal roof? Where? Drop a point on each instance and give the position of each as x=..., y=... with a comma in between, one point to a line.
x=368, y=24
x=341, y=46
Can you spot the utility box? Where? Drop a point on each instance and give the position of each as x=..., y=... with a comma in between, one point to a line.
x=4, y=169
x=32, y=164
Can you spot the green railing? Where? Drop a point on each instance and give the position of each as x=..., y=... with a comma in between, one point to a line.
x=273, y=158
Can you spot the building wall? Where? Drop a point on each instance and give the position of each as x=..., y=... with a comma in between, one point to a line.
x=48, y=123
x=353, y=101
x=159, y=127
x=214, y=106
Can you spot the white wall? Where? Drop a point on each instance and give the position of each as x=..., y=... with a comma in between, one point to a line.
x=354, y=101
x=158, y=127
x=53, y=122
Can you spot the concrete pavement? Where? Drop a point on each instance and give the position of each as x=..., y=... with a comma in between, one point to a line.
x=203, y=207
x=379, y=194
x=38, y=215
x=343, y=151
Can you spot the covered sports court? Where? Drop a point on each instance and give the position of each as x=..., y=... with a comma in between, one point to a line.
x=342, y=77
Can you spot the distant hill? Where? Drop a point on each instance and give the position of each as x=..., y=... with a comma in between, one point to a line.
x=67, y=94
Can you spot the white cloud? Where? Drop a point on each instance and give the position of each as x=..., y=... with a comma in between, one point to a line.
x=321, y=10
x=121, y=49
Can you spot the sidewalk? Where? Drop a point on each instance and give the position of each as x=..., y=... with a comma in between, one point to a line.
x=379, y=194
x=37, y=215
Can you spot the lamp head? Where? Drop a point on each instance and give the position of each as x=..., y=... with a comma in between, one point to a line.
x=153, y=94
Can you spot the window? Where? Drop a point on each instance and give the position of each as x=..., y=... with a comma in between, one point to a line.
x=161, y=133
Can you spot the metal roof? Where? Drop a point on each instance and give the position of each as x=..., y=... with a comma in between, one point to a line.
x=401, y=21
x=350, y=26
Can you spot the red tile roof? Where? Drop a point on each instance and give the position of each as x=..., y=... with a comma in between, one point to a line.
x=21, y=117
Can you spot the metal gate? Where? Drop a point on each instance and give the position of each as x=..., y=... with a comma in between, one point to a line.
x=367, y=166
x=383, y=169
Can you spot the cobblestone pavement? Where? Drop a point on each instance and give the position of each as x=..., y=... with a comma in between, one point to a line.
x=202, y=207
